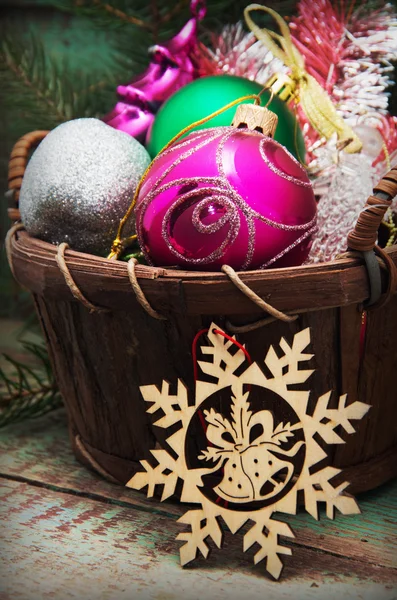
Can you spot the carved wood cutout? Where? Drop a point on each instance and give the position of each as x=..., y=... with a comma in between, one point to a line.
x=257, y=452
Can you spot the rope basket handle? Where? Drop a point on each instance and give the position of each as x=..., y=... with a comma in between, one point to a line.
x=17, y=164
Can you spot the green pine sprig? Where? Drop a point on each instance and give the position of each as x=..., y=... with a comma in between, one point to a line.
x=49, y=84
x=27, y=392
x=151, y=16
x=28, y=68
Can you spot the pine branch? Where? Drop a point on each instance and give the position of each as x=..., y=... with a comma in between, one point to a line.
x=141, y=14
x=27, y=392
x=59, y=93
x=119, y=14
x=28, y=69
x=175, y=10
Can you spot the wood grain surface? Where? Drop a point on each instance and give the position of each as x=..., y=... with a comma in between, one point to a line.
x=374, y=379
x=66, y=533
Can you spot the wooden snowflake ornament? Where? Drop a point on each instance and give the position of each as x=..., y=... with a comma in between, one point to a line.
x=255, y=450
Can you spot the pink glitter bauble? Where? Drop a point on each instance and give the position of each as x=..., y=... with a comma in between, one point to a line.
x=226, y=196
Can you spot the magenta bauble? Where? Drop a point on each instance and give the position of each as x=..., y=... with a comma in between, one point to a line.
x=226, y=196
x=173, y=64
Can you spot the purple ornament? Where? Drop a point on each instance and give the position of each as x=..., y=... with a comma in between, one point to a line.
x=226, y=196
x=172, y=66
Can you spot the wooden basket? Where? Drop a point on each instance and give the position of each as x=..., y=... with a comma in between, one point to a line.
x=101, y=358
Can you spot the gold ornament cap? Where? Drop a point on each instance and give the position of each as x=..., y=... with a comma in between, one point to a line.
x=255, y=118
x=283, y=86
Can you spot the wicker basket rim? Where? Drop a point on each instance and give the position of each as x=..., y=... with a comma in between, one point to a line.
x=106, y=283
x=152, y=272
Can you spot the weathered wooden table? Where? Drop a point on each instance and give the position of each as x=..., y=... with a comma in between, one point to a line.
x=66, y=533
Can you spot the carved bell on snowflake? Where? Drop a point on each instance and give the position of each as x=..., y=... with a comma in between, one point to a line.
x=257, y=467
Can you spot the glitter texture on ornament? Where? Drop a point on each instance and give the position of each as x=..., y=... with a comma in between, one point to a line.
x=225, y=195
x=79, y=183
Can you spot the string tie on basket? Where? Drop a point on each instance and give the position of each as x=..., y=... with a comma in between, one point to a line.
x=140, y=296
x=274, y=312
x=77, y=293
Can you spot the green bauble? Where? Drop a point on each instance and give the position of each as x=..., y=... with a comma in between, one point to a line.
x=208, y=94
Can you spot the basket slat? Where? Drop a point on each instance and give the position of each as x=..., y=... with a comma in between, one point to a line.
x=375, y=381
x=106, y=283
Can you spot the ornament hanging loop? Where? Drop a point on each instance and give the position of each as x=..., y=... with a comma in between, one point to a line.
x=270, y=97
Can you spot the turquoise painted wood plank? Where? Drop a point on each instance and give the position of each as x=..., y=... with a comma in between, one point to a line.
x=39, y=451
x=66, y=547
x=371, y=536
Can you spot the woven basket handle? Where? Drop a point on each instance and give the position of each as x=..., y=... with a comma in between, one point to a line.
x=363, y=237
x=17, y=165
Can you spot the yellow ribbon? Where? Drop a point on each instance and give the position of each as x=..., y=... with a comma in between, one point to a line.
x=314, y=100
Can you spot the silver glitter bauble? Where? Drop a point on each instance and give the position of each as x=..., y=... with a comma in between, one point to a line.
x=79, y=183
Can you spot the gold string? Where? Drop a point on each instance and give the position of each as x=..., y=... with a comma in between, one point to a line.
x=301, y=160
x=270, y=97
x=119, y=244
